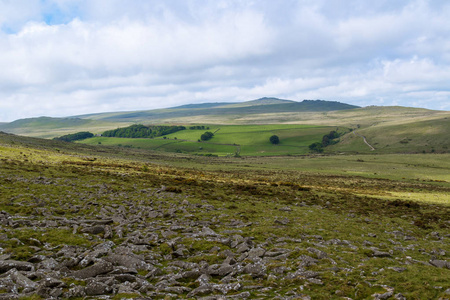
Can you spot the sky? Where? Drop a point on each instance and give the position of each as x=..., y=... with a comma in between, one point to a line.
x=70, y=57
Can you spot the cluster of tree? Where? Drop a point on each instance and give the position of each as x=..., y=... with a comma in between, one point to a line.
x=75, y=136
x=327, y=139
x=274, y=139
x=141, y=131
x=207, y=136
x=198, y=128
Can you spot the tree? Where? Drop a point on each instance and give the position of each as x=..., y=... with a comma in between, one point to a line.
x=274, y=139
x=206, y=136
x=316, y=147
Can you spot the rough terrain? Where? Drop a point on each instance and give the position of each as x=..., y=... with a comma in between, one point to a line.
x=90, y=228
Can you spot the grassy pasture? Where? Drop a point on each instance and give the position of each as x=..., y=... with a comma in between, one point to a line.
x=228, y=139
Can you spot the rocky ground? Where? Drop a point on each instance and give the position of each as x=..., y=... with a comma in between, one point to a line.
x=155, y=248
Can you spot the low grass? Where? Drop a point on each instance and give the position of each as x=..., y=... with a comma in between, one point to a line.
x=358, y=201
x=427, y=136
x=247, y=140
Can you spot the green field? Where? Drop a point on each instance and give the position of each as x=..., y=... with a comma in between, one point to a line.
x=247, y=140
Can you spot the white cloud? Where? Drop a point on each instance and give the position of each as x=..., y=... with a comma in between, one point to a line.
x=67, y=57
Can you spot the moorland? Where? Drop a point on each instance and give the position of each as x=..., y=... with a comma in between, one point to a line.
x=95, y=219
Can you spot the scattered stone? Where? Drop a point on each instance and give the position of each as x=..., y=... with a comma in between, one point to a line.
x=440, y=263
x=102, y=267
x=284, y=221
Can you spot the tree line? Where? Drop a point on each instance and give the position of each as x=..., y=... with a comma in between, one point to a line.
x=141, y=131
x=75, y=136
x=327, y=139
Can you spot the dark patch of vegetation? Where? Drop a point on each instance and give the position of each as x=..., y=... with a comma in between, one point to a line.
x=141, y=131
x=207, y=136
x=327, y=140
x=274, y=139
x=198, y=127
x=75, y=136
x=316, y=147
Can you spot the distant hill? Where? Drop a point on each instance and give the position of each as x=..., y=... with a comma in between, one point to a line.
x=203, y=105
x=258, y=106
x=45, y=122
x=47, y=127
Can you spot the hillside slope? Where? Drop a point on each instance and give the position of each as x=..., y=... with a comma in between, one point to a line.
x=120, y=223
x=213, y=113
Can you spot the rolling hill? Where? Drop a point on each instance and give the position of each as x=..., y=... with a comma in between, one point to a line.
x=254, y=107
x=387, y=129
x=213, y=113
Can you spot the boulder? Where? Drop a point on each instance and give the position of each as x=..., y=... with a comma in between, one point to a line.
x=101, y=267
x=6, y=265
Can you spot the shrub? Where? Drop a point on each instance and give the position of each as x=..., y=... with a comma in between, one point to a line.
x=274, y=139
x=207, y=136
x=316, y=147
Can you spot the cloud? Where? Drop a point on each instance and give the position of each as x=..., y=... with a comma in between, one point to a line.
x=68, y=57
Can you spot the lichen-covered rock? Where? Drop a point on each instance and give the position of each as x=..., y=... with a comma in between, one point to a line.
x=101, y=267
x=6, y=265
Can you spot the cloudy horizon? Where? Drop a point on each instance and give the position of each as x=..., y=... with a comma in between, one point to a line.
x=72, y=57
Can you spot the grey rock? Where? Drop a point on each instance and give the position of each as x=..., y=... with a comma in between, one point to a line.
x=256, y=270
x=226, y=288
x=206, y=231
x=315, y=281
x=284, y=221
x=399, y=296
x=94, y=229
x=286, y=208
x=177, y=289
x=204, y=279
x=125, y=278
x=75, y=291
x=225, y=270
x=201, y=291
x=101, y=267
x=256, y=252
x=242, y=295
x=48, y=264
x=377, y=253
x=194, y=274
x=125, y=288
x=440, y=263
x=8, y=296
x=306, y=274
x=21, y=280
x=108, y=232
x=128, y=261
x=383, y=296
x=308, y=261
x=319, y=253
x=244, y=247
x=95, y=288
x=6, y=265
x=51, y=282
